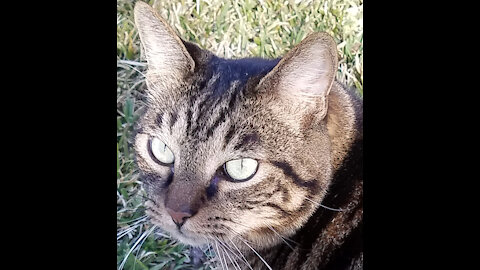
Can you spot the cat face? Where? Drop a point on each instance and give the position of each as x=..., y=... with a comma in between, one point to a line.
x=233, y=150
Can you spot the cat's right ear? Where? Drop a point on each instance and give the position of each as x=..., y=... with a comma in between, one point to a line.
x=301, y=81
x=168, y=59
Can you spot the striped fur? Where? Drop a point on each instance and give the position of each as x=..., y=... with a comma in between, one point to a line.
x=308, y=146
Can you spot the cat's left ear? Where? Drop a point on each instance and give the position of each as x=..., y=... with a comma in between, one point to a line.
x=301, y=81
x=167, y=57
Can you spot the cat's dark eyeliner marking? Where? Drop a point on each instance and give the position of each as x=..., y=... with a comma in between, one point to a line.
x=288, y=170
x=169, y=180
x=213, y=187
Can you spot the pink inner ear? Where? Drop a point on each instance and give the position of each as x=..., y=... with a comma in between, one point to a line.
x=307, y=77
x=309, y=71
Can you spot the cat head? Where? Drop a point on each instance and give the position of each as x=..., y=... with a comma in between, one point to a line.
x=233, y=149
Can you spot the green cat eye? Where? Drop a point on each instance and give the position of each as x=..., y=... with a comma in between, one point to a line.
x=161, y=152
x=241, y=169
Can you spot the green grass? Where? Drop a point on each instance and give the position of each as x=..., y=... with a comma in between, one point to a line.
x=230, y=29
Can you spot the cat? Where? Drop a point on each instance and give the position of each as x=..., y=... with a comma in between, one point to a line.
x=262, y=158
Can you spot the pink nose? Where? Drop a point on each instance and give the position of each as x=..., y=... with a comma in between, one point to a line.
x=178, y=217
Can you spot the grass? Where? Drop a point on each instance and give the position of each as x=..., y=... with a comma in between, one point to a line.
x=231, y=29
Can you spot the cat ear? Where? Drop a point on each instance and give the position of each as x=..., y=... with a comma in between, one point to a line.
x=303, y=78
x=166, y=54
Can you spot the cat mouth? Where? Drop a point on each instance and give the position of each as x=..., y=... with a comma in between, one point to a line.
x=182, y=233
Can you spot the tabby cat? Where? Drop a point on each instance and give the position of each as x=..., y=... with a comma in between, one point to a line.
x=260, y=158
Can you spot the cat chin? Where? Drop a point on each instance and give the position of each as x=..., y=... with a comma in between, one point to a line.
x=188, y=239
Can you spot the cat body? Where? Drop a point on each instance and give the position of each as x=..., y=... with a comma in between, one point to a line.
x=260, y=158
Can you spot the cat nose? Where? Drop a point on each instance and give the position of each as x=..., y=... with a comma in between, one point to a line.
x=178, y=217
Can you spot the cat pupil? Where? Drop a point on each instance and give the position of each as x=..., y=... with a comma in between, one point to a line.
x=160, y=152
x=237, y=171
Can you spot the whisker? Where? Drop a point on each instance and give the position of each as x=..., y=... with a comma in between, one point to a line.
x=241, y=254
x=278, y=234
x=261, y=258
x=246, y=226
x=227, y=247
x=126, y=231
x=223, y=256
x=141, y=244
x=218, y=255
x=326, y=207
x=229, y=258
x=281, y=237
x=214, y=256
x=209, y=250
x=140, y=238
x=137, y=220
x=163, y=235
x=122, y=232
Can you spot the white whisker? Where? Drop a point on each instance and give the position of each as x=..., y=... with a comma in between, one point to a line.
x=223, y=256
x=229, y=249
x=281, y=237
x=140, y=238
x=218, y=255
x=241, y=254
x=326, y=207
x=266, y=264
x=143, y=241
x=126, y=231
x=209, y=250
x=229, y=258
x=139, y=219
x=123, y=231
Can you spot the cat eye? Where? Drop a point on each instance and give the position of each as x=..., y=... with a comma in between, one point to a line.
x=161, y=152
x=241, y=169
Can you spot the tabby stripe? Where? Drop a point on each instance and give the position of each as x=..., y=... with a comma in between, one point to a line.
x=245, y=206
x=284, y=212
x=203, y=108
x=173, y=119
x=228, y=136
x=201, y=105
x=224, y=111
x=159, y=119
x=220, y=118
x=285, y=192
x=288, y=171
x=248, y=141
